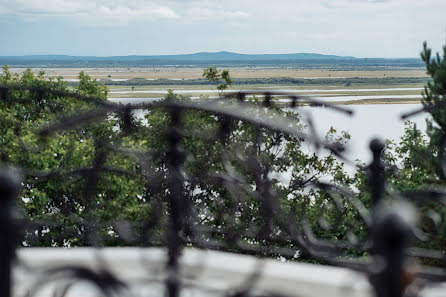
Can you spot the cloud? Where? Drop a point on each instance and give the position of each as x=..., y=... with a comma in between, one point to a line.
x=345, y=27
x=40, y=7
x=235, y=14
x=4, y=10
x=123, y=15
x=165, y=12
x=200, y=13
x=352, y=3
x=88, y=12
x=116, y=12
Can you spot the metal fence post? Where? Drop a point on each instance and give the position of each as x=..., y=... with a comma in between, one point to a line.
x=9, y=185
x=375, y=172
x=176, y=201
x=3, y=93
x=390, y=232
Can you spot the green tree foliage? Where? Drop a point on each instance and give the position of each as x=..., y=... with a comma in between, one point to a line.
x=56, y=168
x=417, y=161
x=132, y=186
x=422, y=155
x=213, y=75
x=292, y=169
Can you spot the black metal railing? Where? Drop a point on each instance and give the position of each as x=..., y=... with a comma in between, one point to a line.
x=175, y=218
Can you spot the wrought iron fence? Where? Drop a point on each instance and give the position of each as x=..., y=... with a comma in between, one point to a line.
x=178, y=217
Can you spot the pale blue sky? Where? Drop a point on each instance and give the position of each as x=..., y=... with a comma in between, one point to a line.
x=361, y=28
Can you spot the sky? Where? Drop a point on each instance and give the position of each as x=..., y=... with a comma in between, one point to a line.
x=360, y=28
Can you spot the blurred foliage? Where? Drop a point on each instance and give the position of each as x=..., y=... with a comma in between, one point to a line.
x=417, y=161
x=106, y=182
x=81, y=206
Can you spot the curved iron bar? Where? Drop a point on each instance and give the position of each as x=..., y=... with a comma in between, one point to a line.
x=278, y=230
x=425, y=108
x=268, y=119
x=295, y=99
x=108, y=284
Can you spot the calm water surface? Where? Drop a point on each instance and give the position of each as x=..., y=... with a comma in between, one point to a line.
x=127, y=91
x=367, y=122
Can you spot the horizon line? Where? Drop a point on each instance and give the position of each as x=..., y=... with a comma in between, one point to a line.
x=203, y=52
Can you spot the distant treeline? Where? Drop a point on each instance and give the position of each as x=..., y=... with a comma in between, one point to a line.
x=273, y=81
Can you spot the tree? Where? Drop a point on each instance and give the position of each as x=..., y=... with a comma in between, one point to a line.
x=56, y=168
x=91, y=182
x=417, y=162
x=423, y=156
x=213, y=75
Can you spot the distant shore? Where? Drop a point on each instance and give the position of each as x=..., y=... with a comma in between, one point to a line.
x=235, y=72
x=340, y=85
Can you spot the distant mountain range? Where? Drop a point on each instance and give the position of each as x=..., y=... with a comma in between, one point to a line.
x=215, y=56
x=203, y=58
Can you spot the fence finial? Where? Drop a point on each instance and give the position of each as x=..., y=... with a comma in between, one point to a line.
x=376, y=172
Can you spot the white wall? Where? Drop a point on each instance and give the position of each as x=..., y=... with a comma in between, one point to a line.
x=204, y=273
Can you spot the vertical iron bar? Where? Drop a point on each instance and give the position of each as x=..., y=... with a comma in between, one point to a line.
x=92, y=178
x=241, y=97
x=267, y=100
x=9, y=185
x=177, y=213
x=224, y=132
x=3, y=94
x=267, y=207
x=390, y=232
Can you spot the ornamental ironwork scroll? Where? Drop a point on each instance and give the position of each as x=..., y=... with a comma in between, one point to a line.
x=222, y=194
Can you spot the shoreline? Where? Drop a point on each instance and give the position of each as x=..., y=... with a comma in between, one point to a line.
x=235, y=72
x=308, y=103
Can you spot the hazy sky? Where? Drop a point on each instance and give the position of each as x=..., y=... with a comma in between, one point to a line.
x=361, y=28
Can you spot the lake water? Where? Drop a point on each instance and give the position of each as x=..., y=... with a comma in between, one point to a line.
x=358, y=97
x=367, y=122
x=127, y=91
x=329, y=95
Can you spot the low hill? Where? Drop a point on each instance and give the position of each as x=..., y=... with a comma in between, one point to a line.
x=200, y=59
